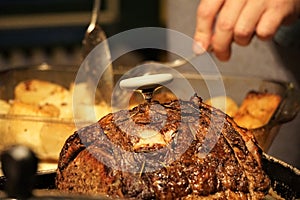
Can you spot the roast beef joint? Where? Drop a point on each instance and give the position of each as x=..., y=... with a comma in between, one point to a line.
x=174, y=150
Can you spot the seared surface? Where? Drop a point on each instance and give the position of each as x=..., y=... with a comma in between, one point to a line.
x=178, y=150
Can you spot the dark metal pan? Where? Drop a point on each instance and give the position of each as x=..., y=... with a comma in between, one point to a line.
x=284, y=177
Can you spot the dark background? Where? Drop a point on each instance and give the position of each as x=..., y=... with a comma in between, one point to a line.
x=20, y=42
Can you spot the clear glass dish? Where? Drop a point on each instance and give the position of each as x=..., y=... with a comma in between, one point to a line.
x=236, y=87
x=47, y=135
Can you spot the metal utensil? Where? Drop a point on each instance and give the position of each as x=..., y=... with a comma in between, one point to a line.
x=141, y=71
x=180, y=61
x=175, y=63
x=101, y=56
x=146, y=84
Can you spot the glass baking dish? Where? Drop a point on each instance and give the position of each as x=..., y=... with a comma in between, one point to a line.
x=210, y=85
x=46, y=136
x=237, y=88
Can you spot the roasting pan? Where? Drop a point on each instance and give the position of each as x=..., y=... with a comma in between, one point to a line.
x=235, y=87
x=284, y=177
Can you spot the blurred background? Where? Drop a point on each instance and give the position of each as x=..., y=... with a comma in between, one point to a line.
x=51, y=31
x=32, y=32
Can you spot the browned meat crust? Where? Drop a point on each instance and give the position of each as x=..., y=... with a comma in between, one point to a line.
x=194, y=152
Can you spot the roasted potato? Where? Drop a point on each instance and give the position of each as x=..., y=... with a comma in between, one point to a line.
x=224, y=103
x=4, y=107
x=34, y=91
x=256, y=109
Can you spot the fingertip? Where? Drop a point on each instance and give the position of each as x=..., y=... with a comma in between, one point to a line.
x=198, y=47
x=268, y=25
x=201, y=42
x=223, y=56
x=243, y=41
x=242, y=35
x=264, y=33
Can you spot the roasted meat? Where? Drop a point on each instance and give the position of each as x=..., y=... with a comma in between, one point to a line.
x=175, y=150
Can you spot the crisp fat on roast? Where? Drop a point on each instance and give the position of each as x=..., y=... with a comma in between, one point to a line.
x=176, y=150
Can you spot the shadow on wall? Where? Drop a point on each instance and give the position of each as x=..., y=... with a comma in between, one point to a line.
x=287, y=44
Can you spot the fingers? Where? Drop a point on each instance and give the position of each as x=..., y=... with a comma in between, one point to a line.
x=223, y=35
x=268, y=24
x=220, y=22
x=247, y=22
x=207, y=10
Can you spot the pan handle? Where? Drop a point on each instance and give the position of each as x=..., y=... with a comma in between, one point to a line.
x=287, y=111
x=288, y=108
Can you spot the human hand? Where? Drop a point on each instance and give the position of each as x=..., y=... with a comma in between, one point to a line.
x=222, y=22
